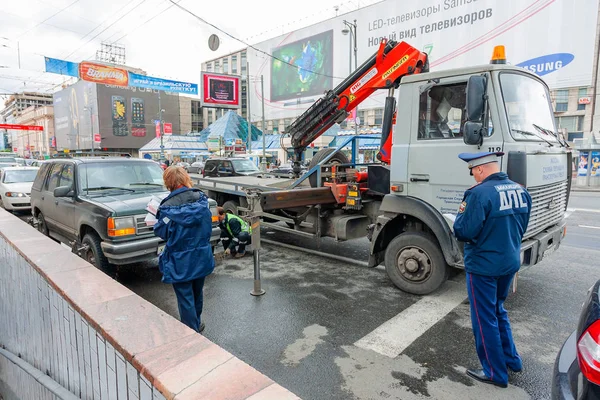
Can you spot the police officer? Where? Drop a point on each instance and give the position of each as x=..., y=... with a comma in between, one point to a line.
x=491, y=220
x=235, y=233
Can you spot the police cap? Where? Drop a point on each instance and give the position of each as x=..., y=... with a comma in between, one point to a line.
x=477, y=159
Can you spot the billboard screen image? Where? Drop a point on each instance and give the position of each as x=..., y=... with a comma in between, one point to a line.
x=222, y=91
x=311, y=69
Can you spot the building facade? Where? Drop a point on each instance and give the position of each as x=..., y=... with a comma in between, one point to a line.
x=36, y=144
x=14, y=106
x=191, y=117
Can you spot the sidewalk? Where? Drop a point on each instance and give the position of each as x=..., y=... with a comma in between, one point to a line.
x=576, y=188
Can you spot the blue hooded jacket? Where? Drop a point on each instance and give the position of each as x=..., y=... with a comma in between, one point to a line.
x=185, y=223
x=491, y=221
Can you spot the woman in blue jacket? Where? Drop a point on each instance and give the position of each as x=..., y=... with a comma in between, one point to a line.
x=184, y=222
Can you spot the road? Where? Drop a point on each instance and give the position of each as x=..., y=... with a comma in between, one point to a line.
x=329, y=330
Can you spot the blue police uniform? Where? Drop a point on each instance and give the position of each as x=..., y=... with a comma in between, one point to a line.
x=491, y=222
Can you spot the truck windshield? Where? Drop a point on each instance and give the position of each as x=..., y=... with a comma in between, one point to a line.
x=244, y=166
x=135, y=176
x=528, y=105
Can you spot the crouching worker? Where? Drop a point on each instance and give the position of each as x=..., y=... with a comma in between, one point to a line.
x=235, y=233
x=185, y=223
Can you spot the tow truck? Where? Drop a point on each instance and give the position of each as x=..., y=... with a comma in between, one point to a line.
x=404, y=203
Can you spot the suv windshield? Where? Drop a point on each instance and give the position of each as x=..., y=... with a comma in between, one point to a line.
x=116, y=175
x=528, y=105
x=27, y=175
x=244, y=166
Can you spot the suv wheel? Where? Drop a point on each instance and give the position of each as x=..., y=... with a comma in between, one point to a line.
x=41, y=224
x=92, y=253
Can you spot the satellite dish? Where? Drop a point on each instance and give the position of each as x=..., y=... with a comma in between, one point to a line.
x=213, y=42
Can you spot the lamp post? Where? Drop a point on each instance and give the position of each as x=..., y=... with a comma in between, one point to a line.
x=89, y=108
x=350, y=28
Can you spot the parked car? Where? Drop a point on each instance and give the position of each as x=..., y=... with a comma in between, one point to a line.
x=183, y=165
x=196, y=167
x=21, y=162
x=223, y=167
x=577, y=367
x=285, y=171
x=97, y=206
x=36, y=163
x=8, y=162
x=15, y=187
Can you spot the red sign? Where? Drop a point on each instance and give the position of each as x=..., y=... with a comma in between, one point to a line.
x=97, y=138
x=221, y=90
x=158, y=129
x=585, y=100
x=15, y=149
x=99, y=73
x=22, y=127
x=138, y=132
x=168, y=128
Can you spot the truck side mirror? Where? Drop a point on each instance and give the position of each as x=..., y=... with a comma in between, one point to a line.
x=476, y=96
x=472, y=133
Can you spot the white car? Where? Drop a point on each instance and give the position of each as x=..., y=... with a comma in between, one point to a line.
x=15, y=187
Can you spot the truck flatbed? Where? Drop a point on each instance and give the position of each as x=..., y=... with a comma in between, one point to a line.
x=237, y=184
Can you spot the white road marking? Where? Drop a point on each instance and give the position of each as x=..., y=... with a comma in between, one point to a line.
x=395, y=335
x=583, y=210
x=588, y=226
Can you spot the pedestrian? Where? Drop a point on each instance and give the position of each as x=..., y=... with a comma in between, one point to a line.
x=235, y=233
x=185, y=223
x=491, y=221
x=167, y=163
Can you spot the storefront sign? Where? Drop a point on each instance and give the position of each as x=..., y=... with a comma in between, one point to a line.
x=585, y=100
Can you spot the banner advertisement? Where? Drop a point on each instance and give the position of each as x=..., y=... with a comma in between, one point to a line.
x=99, y=73
x=148, y=82
x=595, y=163
x=222, y=91
x=61, y=67
x=538, y=35
x=22, y=127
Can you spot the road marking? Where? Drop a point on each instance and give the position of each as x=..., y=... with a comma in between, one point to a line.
x=395, y=335
x=583, y=210
x=588, y=226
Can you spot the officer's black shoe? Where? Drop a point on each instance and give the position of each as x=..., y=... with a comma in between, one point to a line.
x=515, y=370
x=202, y=326
x=480, y=376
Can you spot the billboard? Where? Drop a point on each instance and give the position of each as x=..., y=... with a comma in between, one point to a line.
x=99, y=73
x=148, y=82
x=122, y=116
x=302, y=68
x=538, y=35
x=221, y=91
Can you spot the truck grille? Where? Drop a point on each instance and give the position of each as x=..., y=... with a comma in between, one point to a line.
x=549, y=203
x=140, y=225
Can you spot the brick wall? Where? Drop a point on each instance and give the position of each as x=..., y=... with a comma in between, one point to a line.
x=98, y=339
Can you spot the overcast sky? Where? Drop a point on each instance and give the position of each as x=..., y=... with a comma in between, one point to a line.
x=160, y=38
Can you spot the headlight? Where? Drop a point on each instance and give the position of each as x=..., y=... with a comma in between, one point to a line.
x=121, y=226
x=15, y=194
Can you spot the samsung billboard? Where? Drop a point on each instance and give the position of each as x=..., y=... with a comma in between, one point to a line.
x=123, y=117
x=544, y=36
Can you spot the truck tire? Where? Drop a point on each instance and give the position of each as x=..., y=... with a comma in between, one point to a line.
x=415, y=263
x=41, y=225
x=231, y=206
x=94, y=255
x=338, y=158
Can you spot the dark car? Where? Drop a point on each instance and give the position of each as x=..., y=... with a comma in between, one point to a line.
x=577, y=367
x=224, y=167
x=285, y=171
x=97, y=206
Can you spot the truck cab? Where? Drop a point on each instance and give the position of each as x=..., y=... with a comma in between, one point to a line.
x=428, y=180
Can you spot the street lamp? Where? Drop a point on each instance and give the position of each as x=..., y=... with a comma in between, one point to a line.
x=91, y=125
x=350, y=28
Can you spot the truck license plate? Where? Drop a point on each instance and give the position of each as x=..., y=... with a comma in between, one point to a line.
x=160, y=249
x=548, y=251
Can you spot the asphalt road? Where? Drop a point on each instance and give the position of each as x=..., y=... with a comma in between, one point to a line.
x=308, y=331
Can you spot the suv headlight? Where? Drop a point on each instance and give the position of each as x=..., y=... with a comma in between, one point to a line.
x=121, y=226
x=15, y=194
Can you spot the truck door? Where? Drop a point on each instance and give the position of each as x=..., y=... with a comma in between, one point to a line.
x=435, y=173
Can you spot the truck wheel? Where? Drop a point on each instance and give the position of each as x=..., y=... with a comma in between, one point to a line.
x=231, y=206
x=415, y=263
x=94, y=255
x=338, y=158
x=41, y=225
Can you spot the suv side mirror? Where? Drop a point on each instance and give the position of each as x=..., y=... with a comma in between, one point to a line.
x=63, y=191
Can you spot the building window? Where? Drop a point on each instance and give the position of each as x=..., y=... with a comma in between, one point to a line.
x=244, y=65
x=275, y=126
x=562, y=100
x=362, y=115
x=217, y=66
x=225, y=66
x=209, y=67
x=234, y=67
x=582, y=93
x=379, y=116
x=571, y=124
